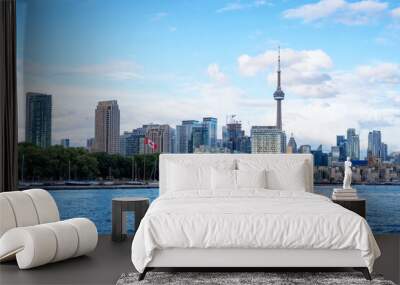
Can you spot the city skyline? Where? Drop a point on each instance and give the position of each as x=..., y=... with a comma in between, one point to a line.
x=336, y=74
x=264, y=139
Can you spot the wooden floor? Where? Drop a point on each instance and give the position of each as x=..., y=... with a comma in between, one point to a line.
x=111, y=259
x=103, y=266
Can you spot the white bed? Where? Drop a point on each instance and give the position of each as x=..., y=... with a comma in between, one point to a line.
x=202, y=220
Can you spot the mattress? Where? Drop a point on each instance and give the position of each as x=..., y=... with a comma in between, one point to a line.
x=251, y=219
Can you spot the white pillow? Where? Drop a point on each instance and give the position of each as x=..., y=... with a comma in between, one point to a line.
x=251, y=178
x=185, y=178
x=223, y=179
x=282, y=174
x=293, y=179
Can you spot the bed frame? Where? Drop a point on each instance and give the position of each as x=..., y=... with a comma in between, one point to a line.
x=260, y=259
x=245, y=259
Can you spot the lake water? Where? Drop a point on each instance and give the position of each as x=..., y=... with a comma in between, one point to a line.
x=383, y=205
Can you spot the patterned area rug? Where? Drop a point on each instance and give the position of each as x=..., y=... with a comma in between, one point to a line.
x=229, y=278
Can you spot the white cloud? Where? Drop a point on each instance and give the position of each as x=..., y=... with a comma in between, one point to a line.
x=238, y=5
x=386, y=73
x=304, y=61
x=395, y=13
x=345, y=12
x=312, y=12
x=172, y=29
x=215, y=73
x=305, y=72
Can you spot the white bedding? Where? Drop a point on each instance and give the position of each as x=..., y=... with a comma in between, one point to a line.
x=250, y=219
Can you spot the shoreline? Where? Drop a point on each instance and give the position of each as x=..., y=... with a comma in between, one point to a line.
x=156, y=185
x=90, y=187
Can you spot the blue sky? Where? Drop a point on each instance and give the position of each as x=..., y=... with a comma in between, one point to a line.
x=165, y=61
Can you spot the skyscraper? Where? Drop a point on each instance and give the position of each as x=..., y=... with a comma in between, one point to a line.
x=353, y=144
x=225, y=137
x=335, y=153
x=292, y=145
x=161, y=135
x=279, y=95
x=245, y=144
x=38, y=119
x=138, y=140
x=184, y=136
x=374, y=143
x=320, y=158
x=107, y=123
x=267, y=139
x=132, y=143
x=383, y=153
x=341, y=143
x=192, y=135
x=90, y=144
x=197, y=137
x=234, y=136
x=125, y=144
x=210, y=131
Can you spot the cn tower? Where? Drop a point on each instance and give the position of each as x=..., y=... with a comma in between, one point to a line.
x=279, y=95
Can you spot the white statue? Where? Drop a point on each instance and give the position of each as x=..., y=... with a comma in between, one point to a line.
x=347, y=174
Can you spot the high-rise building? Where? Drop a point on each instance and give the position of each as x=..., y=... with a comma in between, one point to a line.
x=283, y=143
x=225, y=137
x=138, y=140
x=267, y=139
x=292, y=145
x=279, y=95
x=107, y=124
x=335, y=153
x=320, y=158
x=184, y=136
x=383, y=152
x=353, y=144
x=173, y=141
x=132, y=143
x=210, y=131
x=197, y=137
x=192, y=135
x=64, y=142
x=245, y=144
x=305, y=149
x=374, y=143
x=161, y=135
x=38, y=119
x=234, y=136
x=90, y=144
x=125, y=143
x=341, y=143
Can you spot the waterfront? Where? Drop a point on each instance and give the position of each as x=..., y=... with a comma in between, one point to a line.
x=383, y=204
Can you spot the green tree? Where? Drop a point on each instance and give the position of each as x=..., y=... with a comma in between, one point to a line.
x=58, y=163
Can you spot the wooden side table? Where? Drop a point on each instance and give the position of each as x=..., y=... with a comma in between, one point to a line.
x=358, y=206
x=120, y=206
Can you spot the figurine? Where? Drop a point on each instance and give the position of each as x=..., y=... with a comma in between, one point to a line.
x=347, y=174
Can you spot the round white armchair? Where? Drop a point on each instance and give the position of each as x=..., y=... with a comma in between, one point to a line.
x=31, y=230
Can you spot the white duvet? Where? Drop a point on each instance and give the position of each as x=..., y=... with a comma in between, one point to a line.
x=250, y=219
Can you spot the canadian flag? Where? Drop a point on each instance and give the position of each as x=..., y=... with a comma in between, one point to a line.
x=150, y=143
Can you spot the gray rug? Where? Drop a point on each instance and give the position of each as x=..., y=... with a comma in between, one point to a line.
x=228, y=278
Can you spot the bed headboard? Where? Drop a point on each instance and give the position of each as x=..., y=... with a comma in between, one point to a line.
x=286, y=160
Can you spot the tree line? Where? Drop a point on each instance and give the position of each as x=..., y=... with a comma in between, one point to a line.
x=57, y=163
